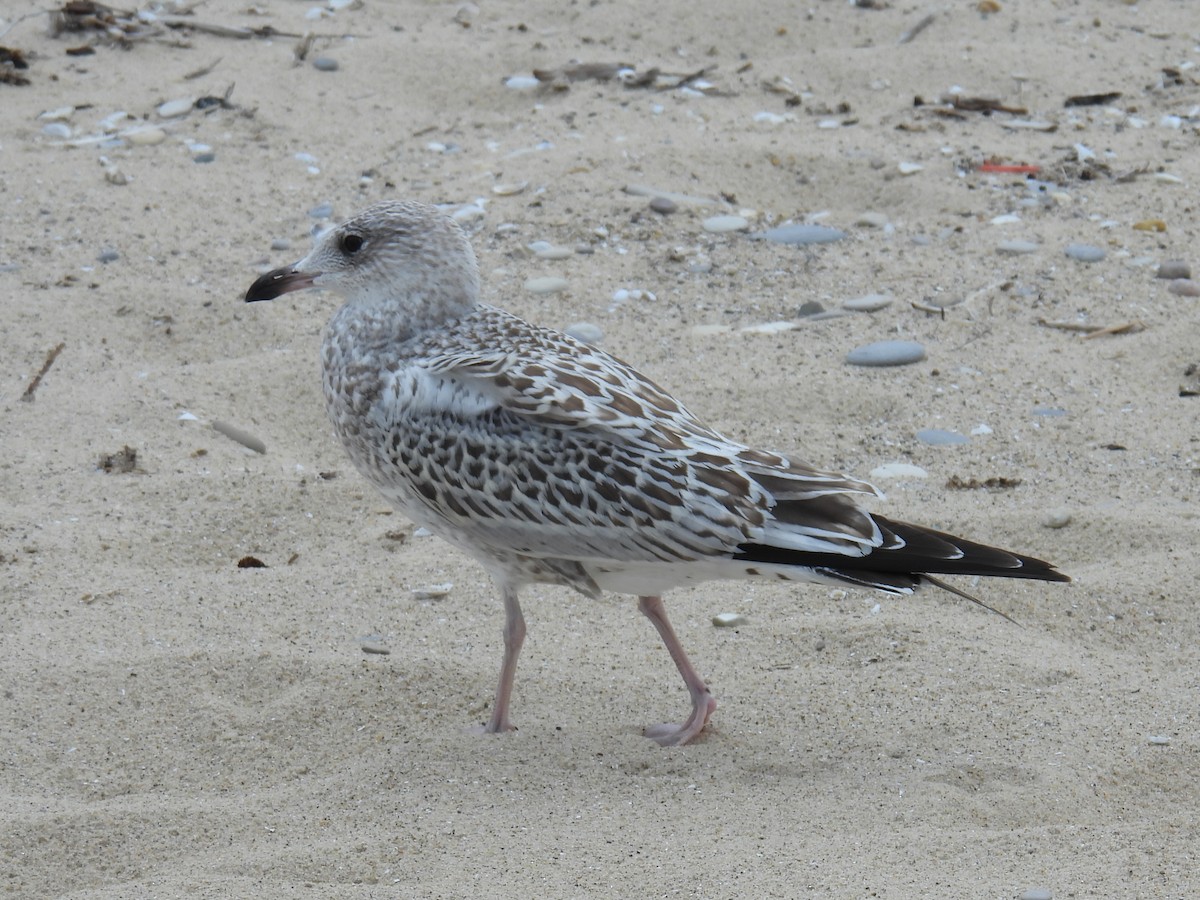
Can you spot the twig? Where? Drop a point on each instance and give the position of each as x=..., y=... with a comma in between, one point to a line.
x=916, y=29
x=1131, y=327
x=37, y=379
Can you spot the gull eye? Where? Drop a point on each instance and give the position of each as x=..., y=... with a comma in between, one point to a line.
x=350, y=243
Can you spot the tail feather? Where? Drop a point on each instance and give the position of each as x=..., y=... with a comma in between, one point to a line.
x=906, y=556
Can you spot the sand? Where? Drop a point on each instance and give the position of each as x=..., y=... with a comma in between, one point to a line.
x=177, y=726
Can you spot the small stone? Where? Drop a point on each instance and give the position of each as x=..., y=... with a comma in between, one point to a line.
x=521, y=82
x=546, y=250
x=281, y=244
x=723, y=224
x=1087, y=253
x=1057, y=518
x=1173, y=268
x=909, y=168
x=375, y=648
x=1036, y=893
x=872, y=220
x=898, y=470
x=1158, y=740
x=810, y=308
x=107, y=255
x=886, y=353
x=1184, y=287
x=433, y=591
x=113, y=175
x=586, y=332
x=321, y=211
x=800, y=235
x=728, y=620
x=663, y=205
x=509, y=189
x=1006, y=219
x=941, y=437
x=547, y=284
x=56, y=130
x=1015, y=248
x=145, y=137
x=869, y=303
x=61, y=114
x=325, y=64
x=174, y=108
x=1157, y=225
x=205, y=157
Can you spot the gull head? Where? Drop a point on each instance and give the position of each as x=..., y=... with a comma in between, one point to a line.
x=400, y=254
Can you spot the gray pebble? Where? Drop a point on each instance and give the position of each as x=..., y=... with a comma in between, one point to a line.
x=886, y=353
x=56, y=130
x=1015, y=248
x=1173, y=268
x=108, y=255
x=1058, y=518
x=1184, y=287
x=372, y=647
x=940, y=437
x=800, y=235
x=1088, y=253
x=722, y=224
x=325, y=64
x=281, y=244
x=664, y=205
x=872, y=220
x=547, y=284
x=810, y=308
x=728, y=620
x=205, y=157
x=869, y=303
x=1036, y=893
x=321, y=211
x=586, y=332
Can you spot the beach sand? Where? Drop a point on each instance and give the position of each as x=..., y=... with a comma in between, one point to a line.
x=174, y=725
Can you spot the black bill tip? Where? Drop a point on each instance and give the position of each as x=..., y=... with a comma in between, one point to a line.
x=277, y=283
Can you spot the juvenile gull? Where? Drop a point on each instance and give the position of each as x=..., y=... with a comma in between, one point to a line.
x=551, y=461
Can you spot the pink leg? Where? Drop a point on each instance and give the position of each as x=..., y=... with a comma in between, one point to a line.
x=703, y=703
x=514, y=637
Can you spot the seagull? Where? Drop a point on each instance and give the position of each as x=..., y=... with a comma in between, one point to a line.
x=551, y=461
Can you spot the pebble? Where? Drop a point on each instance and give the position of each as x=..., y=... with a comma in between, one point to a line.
x=869, y=303
x=940, y=437
x=108, y=255
x=509, y=189
x=433, y=591
x=321, y=211
x=909, y=168
x=281, y=244
x=1173, y=268
x=620, y=295
x=547, y=284
x=521, y=82
x=800, y=235
x=376, y=648
x=663, y=205
x=886, y=353
x=174, y=108
x=1184, y=287
x=145, y=137
x=56, y=130
x=723, y=224
x=1006, y=219
x=1036, y=893
x=728, y=620
x=586, y=332
x=325, y=64
x=1088, y=253
x=810, y=308
x=1157, y=225
x=61, y=114
x=1158, y=740
x=1049, y=412
x=1016, y=247
x=1057, y=518
x=546, y=250
x=205, y=157
x=769, y=328
x=872, y=220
